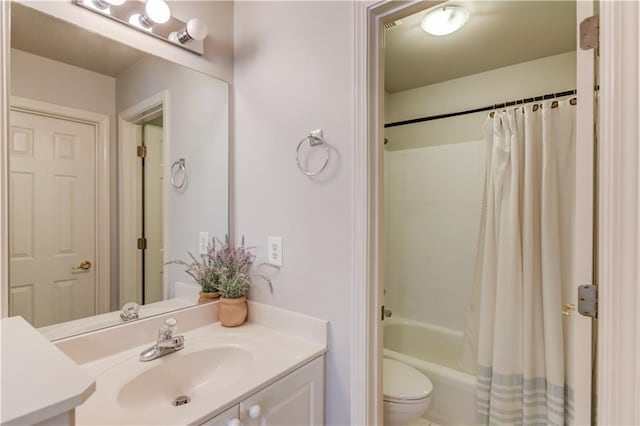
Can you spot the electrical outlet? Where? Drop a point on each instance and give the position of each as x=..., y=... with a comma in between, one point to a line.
x=274, y=249
x=203, y=242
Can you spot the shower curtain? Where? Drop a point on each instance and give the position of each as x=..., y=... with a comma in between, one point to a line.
x=515, y=325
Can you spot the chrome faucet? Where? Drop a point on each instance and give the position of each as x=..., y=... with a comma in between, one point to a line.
x=166, y=343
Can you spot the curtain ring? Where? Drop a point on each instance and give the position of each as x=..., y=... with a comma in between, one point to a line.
x=314, y=140
x=178, y=166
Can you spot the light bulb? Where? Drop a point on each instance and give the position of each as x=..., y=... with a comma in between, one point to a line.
x=197, y=29
x=138, y=21
x=445, y=20
x=157, y=11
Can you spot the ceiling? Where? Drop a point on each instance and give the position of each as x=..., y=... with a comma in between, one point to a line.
x=498, y=33
x=64, y=42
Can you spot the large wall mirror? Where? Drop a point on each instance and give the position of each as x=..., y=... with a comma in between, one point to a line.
x=118, y=164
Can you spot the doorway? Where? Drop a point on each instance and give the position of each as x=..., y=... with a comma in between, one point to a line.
x=143, y=238
x=370, y=223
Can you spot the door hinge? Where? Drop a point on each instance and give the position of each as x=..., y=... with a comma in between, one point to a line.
x=142, y=151
x=590, y=33
x=588, y=300
x=142, y=243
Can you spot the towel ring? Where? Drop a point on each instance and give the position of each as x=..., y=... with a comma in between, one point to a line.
x=315, y=139
x=177, y=167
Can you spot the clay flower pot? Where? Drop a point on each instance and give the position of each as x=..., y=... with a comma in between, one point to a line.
x=232, y=312
x=207, y=297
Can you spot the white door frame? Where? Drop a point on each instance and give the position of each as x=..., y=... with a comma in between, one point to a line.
x=618, y=384
x=5, y=53
x=366, y=348
x=129, y=185
x=100, y=124
x=619, y=215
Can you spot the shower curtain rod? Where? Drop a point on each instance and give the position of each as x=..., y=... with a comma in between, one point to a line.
x=487, y=108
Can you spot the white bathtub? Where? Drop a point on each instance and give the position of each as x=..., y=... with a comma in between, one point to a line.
x=435, y=351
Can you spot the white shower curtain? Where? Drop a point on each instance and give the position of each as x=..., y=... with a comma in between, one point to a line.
x=524, y=258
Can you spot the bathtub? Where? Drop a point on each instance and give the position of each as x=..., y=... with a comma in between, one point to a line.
x=435, y=351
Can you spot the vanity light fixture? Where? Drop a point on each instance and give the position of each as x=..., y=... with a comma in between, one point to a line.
x=445, y=20
x=153, y=17
x=195, y=30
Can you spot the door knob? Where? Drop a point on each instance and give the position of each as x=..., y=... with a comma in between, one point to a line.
x=85, y=265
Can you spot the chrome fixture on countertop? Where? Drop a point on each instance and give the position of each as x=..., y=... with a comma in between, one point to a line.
x=166, y=343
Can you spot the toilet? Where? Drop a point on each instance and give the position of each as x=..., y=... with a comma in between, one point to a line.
x=407, y=393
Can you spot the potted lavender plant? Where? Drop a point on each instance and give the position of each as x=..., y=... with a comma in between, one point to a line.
x=224, y=271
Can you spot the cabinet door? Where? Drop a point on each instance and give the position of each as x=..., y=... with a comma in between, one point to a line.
x=230, y=417
x=295, y=400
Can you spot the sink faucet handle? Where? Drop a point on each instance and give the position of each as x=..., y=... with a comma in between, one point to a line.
x=166, y=331
x=129, y=311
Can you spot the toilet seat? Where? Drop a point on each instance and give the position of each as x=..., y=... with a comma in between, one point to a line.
x=403, y=384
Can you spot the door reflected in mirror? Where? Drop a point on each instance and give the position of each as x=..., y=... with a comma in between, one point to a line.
x=94, y=214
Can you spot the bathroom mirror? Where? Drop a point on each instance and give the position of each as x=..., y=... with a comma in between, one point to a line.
x=118, y=164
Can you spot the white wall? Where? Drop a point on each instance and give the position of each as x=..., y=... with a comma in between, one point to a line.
x=46, y=80
x=433, y=198
x=198, y=125
x=293, y=74
x=539, y=77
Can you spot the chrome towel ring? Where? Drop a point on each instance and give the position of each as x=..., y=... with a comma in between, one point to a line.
x=315, y=139
x=179, y=173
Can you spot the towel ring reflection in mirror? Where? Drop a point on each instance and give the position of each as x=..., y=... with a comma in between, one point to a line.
x=179, y=174
x=315, y=139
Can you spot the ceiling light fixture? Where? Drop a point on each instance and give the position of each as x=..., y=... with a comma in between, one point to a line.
x=445, y=20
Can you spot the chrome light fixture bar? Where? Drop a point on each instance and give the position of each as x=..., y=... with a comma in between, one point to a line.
x=151, y=17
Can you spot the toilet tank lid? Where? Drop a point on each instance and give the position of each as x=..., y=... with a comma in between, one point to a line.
x=401, y=381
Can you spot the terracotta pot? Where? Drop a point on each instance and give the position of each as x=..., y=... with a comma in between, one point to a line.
x=207, y=297
x=232, y=312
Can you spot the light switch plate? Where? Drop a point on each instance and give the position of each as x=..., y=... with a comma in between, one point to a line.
x=203, y=242
x=274, y=248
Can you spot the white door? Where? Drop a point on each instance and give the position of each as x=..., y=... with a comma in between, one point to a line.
x=52, y=227
x=153, y=217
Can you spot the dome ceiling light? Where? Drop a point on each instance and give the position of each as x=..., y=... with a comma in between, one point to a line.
x=445, y=20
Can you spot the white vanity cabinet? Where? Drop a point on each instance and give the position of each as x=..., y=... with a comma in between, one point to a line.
x=230, y=417
x=297, y=400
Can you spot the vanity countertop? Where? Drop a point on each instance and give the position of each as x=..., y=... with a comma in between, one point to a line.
x=217, y=368
x=38, y=380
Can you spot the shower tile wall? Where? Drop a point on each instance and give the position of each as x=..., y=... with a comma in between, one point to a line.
x=433, y=202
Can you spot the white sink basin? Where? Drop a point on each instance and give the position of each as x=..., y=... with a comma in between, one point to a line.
x=216, y=368
x=190, y=374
